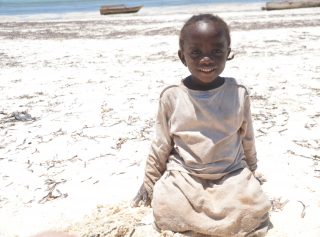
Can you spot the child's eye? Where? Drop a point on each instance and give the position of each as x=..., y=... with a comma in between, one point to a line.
x=217, y=51
x=195, y=52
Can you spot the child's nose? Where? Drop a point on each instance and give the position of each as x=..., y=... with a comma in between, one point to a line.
x=206, y=59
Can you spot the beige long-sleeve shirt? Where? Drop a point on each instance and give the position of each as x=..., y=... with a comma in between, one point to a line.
x=204, y=133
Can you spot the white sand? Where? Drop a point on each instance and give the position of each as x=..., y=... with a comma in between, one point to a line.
x=91, y=85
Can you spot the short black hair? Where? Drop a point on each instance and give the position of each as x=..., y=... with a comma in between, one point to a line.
x=207, y=18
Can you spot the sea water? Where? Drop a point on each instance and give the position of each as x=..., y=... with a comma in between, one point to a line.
x=15, y=7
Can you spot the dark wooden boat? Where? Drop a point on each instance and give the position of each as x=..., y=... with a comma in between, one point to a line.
x=282, y=5
x=118, y=9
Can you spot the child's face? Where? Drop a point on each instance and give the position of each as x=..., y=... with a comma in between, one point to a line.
x=205, y=51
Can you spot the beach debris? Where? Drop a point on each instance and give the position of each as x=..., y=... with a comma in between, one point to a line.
x=146, y=130
x=120, y=142
x=21, y=116
x=314, y=157
x=313, y=144
x=303, y=212
x=53, y=193
x=316, y=165
x=277, y=204
x=118, y=220
x=3, y=199
x=131, y=120
x=266, y=119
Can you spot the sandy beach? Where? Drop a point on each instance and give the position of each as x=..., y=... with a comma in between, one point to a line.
x=78, y=97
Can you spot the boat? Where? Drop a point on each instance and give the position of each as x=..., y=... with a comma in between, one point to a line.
x=282, y=5
x=118, y=9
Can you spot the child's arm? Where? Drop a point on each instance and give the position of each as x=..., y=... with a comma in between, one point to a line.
x=156, y=163
x=248, y=140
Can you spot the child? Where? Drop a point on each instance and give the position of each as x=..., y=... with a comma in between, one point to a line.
x=199, y=174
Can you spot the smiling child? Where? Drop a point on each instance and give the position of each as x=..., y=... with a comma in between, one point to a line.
x=199, y=175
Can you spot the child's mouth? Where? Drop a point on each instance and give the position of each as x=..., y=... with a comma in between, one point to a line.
x=207, y=70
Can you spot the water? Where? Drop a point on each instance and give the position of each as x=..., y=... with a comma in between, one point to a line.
x=16, y=7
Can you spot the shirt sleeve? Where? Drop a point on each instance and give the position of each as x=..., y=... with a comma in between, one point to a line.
x=161, y=148
x=248, y=141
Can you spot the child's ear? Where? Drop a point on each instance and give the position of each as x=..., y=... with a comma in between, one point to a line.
x=229, y=51
x=181, y=56
x=230, y=57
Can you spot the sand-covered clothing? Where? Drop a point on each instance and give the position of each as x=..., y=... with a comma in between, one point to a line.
x=204, y=133
x=199, y=167
x=232, y=206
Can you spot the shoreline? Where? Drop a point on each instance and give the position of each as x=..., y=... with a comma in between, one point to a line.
x=176, y=7
x=88, y=86
x=145, y=11
x=91, y=25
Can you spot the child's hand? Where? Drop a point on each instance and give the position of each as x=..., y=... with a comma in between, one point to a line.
x=142, y=198
x=260, y=177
